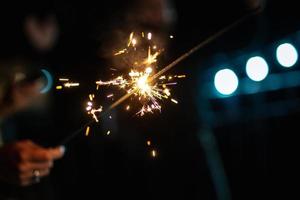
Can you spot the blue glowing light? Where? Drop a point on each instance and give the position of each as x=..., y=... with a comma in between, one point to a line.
x=286, y=55
x=226, y=81
x=49, y=81
x=257, y=68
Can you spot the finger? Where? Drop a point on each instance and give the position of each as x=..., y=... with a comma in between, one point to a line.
x=39, y=155
x=57, y=152
x=33, y=145
x=30, y=152
x=39, y=165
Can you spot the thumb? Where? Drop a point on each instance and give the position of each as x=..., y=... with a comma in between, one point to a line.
x=57, y=152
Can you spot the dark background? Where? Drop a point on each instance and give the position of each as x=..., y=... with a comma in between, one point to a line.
x=255, y=152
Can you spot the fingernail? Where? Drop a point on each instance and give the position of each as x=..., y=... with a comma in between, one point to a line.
x=62, y=149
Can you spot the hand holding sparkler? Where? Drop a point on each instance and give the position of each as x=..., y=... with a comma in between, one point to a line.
x=21, y=93
x=24, y=163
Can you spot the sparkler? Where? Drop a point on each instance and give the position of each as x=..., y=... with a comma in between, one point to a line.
x=137, y=81
x=160, y=74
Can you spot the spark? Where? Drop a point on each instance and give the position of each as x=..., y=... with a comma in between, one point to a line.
x=108, y=133
x=174, y=101
x=171, y=36
x=148, y=142
x=146, y=92
x=70, y=84
x=110, y=95
x=63, y=79
x=87, y=131
x=167, y=92
x=88, y=108
x=94, y=111
x=181, y=76
x=149, y=36
x=91, y=97
x=153, y=153
x=110, y=117
x=66, y=83
x=148, y=70
x=171, y=83
x=152, y=58
x=134, y=42
x=130, y=39
x=117, y=81
x=120, y=52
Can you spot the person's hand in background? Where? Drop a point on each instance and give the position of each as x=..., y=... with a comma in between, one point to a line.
x=20, y=96
x=24, y=163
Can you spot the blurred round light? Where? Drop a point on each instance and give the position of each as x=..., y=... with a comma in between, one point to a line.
x=226, y=82
x=257, y=68
x=49, y=81
x=286, y=55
